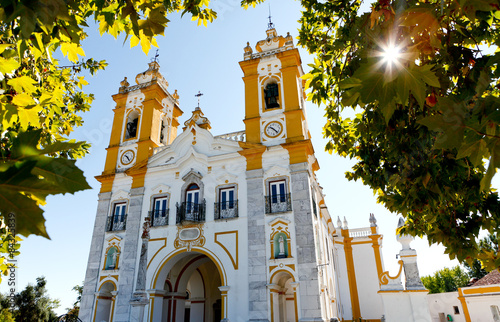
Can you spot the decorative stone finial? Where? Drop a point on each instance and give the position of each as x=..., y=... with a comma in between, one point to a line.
x=175, y=95
x=124, y=83
x=404, y=240
x=345, y=223
x=373, y=221
x=401, y=222
x=339, y=222
x=248, y=49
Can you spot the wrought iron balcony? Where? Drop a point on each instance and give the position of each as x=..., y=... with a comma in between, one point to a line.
x=159, y=217
x=278, y=203
x=228, y=209
x=116, y=223
x=190, y=211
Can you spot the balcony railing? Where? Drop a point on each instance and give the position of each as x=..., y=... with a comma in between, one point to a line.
x=228, y=209
x=159, y=217
x=190, y=211
x=116, y=223
x=278, y=203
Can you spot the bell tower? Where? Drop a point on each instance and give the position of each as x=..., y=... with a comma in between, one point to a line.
x=274, y=95
x=146, y=116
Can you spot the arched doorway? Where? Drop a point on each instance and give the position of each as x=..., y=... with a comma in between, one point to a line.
x=190, y=282
x=104, y=303
x=283, y=297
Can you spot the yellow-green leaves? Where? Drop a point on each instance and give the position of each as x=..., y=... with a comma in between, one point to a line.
x=22, y=84
x=8, y=65
x=72, y=50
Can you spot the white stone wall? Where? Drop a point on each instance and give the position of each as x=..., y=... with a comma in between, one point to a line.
x=367, y=282
x=444, y=303
x=479, y=305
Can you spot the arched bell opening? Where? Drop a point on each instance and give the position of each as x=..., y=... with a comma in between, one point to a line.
x=191, y=283
x=283, y=297
x=132, y=125
x=105, y=302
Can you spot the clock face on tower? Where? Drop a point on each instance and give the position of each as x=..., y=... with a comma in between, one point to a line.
x=127, y=157
x=273, y=129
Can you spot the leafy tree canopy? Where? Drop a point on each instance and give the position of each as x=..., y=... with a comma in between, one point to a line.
x=411, y=93
x=33, y=303
x=446, y=280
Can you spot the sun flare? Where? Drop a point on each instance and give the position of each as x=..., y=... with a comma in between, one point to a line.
x=391, y=54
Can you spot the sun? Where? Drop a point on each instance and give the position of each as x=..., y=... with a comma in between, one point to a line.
x=391, y=54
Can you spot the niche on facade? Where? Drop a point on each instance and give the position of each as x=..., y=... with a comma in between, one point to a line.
x=132, y=125
x=112, y=254
x=280, y=240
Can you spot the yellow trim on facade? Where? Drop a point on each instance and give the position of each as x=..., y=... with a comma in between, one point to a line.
x=233, y=260
x=384, y=278
x=376, y=252
x=351, y=275
x=156, y=253
x=299, y=151
x=462, y=300
x=481, y=290
x=253, y=156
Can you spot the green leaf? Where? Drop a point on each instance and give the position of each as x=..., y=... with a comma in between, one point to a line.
x=61, y=173
x=30, y=176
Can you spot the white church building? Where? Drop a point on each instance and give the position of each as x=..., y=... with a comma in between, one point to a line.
x=196, y=227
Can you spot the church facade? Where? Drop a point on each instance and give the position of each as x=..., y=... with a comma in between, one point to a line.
x=196, y=227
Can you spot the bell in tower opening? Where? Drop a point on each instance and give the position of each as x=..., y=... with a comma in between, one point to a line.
x=131, y=128
x=272, y=96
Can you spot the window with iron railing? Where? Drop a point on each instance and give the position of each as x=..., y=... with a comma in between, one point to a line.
x=118, y=220
x=278, y=200
x=227, y=207
x=159, y=217
x=190, y=211
x=159, y=214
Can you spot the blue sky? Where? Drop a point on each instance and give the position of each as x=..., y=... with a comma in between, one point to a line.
x=192, y=59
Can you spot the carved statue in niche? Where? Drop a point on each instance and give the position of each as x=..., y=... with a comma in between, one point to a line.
x=280, y=246
x=281, y=242
x=112, y=257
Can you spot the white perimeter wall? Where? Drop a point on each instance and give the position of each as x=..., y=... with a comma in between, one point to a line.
x=444, y=303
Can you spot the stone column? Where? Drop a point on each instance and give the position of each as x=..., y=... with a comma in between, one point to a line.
x=129, y=256
x=158, y=298
x=225, y=307
x=310, y=308
x=95, y=255
x=258, y=308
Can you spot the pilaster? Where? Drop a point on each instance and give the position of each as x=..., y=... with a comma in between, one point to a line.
x=94, y=263
x=258, y=308
x=309, y=309
x=129, y=256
